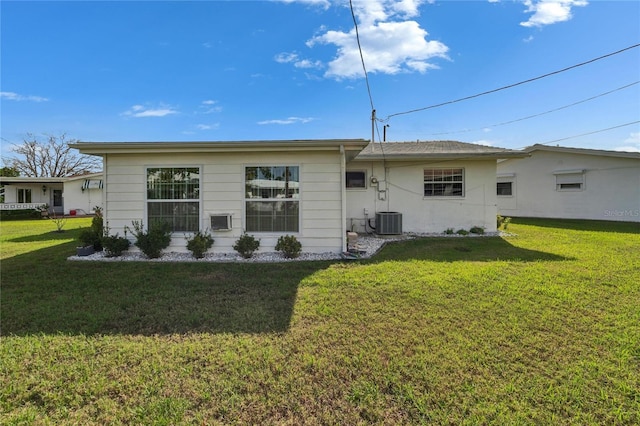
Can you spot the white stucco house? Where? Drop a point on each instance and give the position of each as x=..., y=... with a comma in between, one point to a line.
x=316, y=190
x=64, y=195
x=570, y=183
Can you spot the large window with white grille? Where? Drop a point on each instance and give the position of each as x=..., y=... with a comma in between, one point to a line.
x=443, y=182
x=272, y=198
x=173, y=196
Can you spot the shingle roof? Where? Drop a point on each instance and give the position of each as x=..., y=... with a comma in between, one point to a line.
x=586, y=151
x=433, y=149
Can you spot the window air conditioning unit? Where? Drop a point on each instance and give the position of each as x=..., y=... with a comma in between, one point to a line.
x=388, y=223
x=221, y=222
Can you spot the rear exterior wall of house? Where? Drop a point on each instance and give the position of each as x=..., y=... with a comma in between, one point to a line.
x=224, y=184
x=431, y=195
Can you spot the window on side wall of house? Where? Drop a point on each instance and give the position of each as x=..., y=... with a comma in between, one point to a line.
x=24, y=195
x=173, y=196
x=504, y=189
x=272, y=199
x=571, y=180
x=356, y=179
x=444, y=182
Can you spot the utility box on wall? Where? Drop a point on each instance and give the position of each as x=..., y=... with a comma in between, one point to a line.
x=388, y=223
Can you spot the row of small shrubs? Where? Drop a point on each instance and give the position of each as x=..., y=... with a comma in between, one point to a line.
x=157, y=237
x=478, y=230
x=501, y=223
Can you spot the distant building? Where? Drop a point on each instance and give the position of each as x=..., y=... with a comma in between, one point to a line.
x=64, y=195
x=571, y=183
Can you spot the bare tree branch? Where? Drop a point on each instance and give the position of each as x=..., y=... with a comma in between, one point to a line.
x=51, y=158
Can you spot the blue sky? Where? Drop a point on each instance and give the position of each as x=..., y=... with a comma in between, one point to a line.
x=253, y=70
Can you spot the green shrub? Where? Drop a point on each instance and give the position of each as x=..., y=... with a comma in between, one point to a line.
x=115, y=245
x=199, y=243
x=462, y=232
x=246, y=245
x=502, y=222
x=154, y=240
x=289, y=246
x=93, y=235
x=477, y=230
x=449, y=231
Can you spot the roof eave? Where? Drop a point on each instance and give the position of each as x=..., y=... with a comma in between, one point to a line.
x=101, y=148
x=443, y=156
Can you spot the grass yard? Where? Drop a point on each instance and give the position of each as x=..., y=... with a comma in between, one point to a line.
x=538, y=328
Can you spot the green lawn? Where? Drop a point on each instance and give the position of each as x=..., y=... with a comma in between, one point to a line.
x=538, y=328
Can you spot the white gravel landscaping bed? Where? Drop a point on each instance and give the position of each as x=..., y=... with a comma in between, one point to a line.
x=368, y=245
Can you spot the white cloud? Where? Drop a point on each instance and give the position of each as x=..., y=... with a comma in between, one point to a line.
x=546, y=12
x=12, y=96
x=140, y=111
x=294, y=58
x=207, y=126
x=483, y=142
x=390, y=42
x=289, y=120
x=633, y=142
x=325, y=4
x=208, y=106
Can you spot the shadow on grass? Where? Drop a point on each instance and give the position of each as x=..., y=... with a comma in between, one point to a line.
x=581, y=225
x=454, y=249
x=45, y=293
x=46, y=236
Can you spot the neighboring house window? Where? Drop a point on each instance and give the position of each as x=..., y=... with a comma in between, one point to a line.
x=444, y=182
x=570, y=180
x=272, y=199
x=24, y=195
x=173, y=196
x=356, y=179
x=504, y=188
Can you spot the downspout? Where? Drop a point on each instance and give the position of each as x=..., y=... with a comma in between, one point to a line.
x=104, y=189
x=343, y=192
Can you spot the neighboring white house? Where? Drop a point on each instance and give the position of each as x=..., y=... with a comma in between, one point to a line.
x=316, y=190
x=64, y=195
x=571, y=183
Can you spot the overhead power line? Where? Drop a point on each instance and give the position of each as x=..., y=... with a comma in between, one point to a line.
x=514, y=84
x=541, y=113
x=366, y=76
x=590, y=133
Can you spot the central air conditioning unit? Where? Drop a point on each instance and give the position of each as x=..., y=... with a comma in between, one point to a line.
x=388, y=223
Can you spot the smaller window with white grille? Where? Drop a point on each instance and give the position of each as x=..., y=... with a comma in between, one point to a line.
x=444, y=182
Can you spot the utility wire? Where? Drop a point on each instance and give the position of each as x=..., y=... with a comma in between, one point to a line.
x=590, y=133
x=366, y=76
x=514, y=84
x=541, y=113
